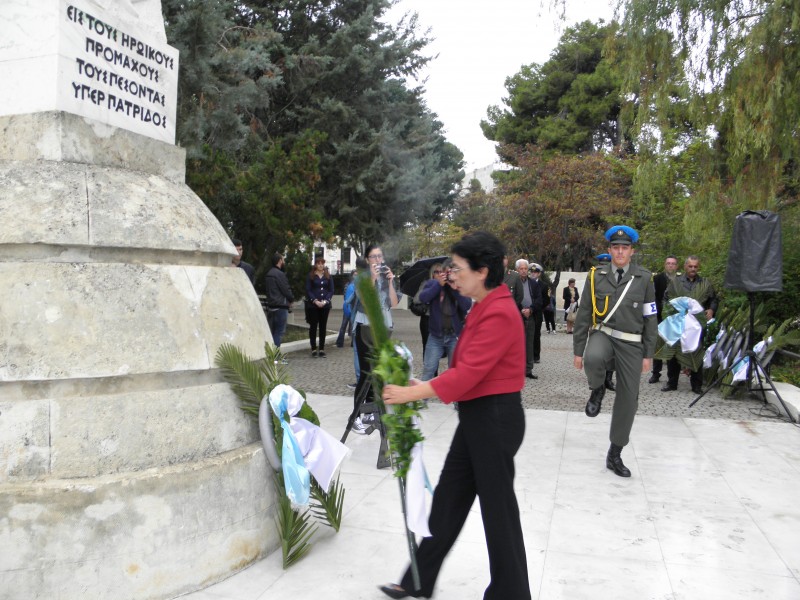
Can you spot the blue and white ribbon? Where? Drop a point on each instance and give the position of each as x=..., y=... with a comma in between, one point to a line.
x=683, y=325
x=306, y=447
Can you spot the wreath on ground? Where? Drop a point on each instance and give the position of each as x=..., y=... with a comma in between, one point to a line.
x=253, y=382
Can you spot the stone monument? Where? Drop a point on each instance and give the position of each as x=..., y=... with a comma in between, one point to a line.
x=127, y=468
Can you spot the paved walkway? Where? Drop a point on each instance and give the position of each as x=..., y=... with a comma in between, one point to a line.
x=710, y=513
x=559, y=387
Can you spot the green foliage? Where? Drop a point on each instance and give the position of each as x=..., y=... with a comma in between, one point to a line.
x=299, y=125
x=251, y=380
x=571, y=103
x=328, y=507
x=295, y=528
x=554, y=206
x=390, y=367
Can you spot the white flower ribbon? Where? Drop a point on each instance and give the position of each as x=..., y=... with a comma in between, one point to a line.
x=306, y=447
x=683, y=325
x=416, y=484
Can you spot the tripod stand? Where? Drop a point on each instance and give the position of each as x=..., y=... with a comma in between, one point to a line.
x=753, y=362
x=373, y=408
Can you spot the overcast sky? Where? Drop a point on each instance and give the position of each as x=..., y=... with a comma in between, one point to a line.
x=479, y=43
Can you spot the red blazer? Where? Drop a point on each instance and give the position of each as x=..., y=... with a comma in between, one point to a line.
x=490, y=355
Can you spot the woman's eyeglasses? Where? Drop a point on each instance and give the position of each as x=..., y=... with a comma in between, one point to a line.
x=375, y=256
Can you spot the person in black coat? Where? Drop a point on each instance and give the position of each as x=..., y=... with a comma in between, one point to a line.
x=570, y=295
x=661, y=282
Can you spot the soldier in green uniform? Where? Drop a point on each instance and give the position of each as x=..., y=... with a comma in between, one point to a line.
x=616, y=330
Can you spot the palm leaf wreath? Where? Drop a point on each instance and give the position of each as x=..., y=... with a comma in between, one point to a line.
x=251, y=380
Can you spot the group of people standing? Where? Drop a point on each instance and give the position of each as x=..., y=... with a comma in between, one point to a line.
x=491, y=335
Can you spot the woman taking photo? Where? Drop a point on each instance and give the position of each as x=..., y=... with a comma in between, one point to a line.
x=485, y=378
x=319, y=291
x=383, y=279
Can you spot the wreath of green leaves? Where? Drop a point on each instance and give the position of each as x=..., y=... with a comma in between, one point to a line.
x=390, y=367
x=251, y=380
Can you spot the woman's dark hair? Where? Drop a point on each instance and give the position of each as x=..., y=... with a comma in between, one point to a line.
x=369, y=250
x=482, y=249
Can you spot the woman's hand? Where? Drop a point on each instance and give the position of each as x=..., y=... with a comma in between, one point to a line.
x=400, y=394
x=578, y=362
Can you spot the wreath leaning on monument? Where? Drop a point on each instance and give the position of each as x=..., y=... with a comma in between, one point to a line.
x=288, y=426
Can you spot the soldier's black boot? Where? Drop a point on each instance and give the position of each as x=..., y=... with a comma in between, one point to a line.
x=614, y=461
x=593, y=405
x=609, y=383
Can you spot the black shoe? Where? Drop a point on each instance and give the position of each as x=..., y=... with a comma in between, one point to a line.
x=321, y=354
x=609, y=385
x=531, y=376
x=669, y=387
x=654, y=378
x=313, y=354
x=595, y=400
x=536, y=361
x=697, y=389
x=393, y=590
x=614, y=461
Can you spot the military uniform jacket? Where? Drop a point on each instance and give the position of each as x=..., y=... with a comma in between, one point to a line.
x=629, y=316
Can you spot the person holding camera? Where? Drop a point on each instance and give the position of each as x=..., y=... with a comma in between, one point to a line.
x=383, y=279
x=448, y=309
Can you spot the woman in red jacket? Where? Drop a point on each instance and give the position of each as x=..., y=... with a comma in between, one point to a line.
x=485, y=377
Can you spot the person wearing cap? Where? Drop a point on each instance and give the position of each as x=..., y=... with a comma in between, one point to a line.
x=617, y=330
x=540, y=290
x=531, y=305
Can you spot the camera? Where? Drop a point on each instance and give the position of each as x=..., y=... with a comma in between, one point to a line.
x=383, y=269
x=447, y=276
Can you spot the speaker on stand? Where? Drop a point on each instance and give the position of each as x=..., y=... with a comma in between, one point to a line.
x=755, y=264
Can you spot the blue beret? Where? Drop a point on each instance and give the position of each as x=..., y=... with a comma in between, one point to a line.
x=622, y=234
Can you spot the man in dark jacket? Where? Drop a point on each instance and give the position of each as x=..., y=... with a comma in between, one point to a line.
x=660, y=283
x=533, y=294
x=539, y=290
x=691, y=285
x=238, y=262
x=279, y=298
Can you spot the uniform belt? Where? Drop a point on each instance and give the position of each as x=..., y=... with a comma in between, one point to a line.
x=619, y=335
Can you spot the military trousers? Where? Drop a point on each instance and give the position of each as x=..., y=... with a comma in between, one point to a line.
x=604, y=353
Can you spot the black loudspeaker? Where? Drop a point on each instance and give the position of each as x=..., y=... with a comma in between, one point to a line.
x=755, y=260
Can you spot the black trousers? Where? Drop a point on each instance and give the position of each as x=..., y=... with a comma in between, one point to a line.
x=538, y=319
x=318, y=318
x=674, y=372
x=529, y=326
x=550, y=319
x=364, y=345
x=480, y=463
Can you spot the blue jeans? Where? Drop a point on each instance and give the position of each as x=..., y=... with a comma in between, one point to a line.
x=434, y=350
x=277, y=324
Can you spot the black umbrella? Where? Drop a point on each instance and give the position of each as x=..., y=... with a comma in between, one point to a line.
x=416, y=274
